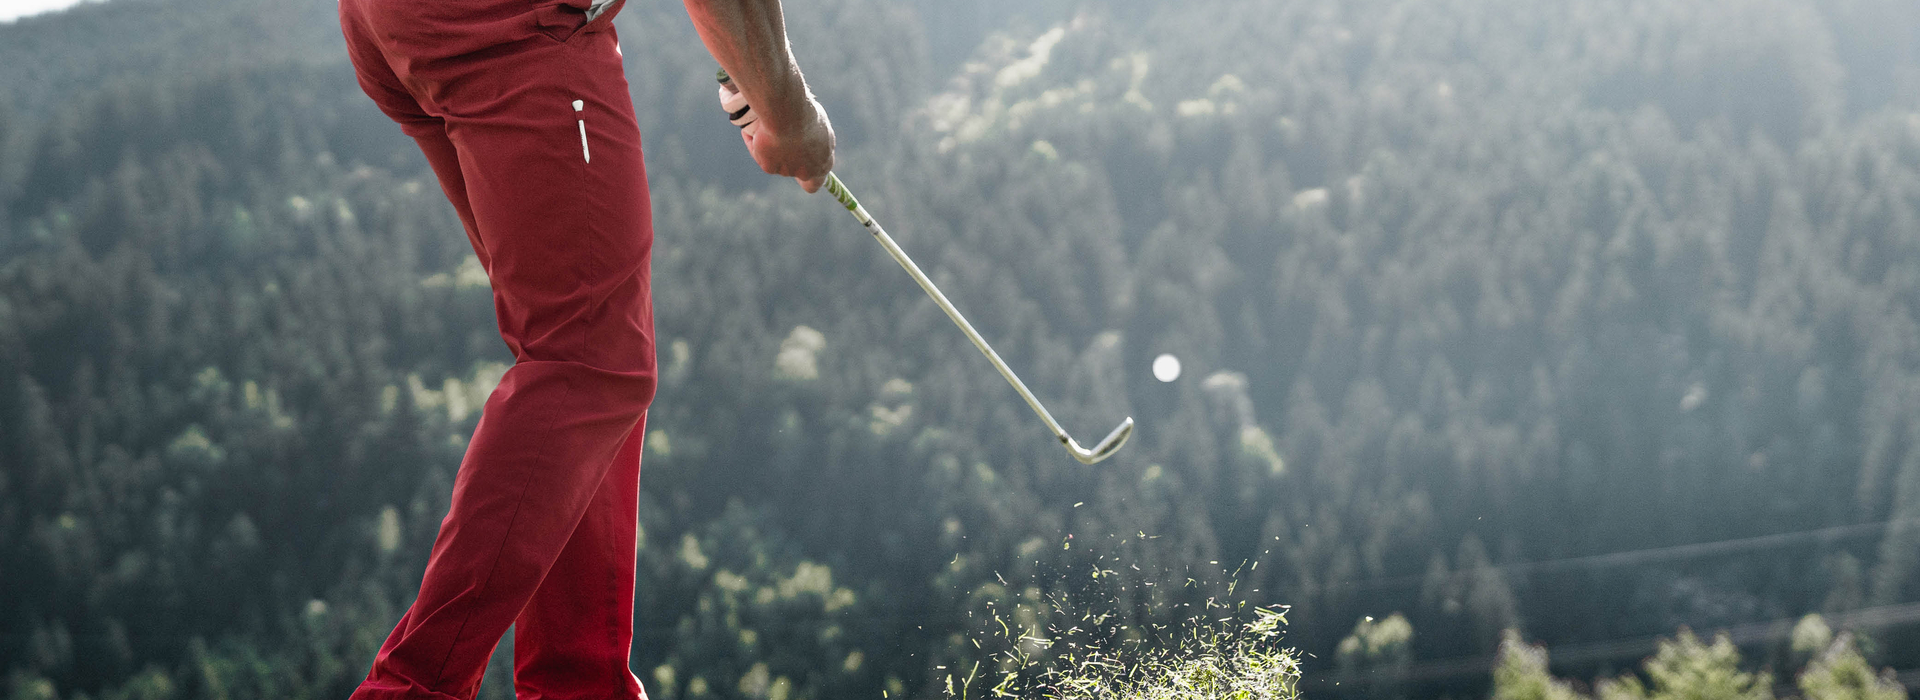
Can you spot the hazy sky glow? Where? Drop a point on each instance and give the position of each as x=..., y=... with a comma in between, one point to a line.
x=11, y=10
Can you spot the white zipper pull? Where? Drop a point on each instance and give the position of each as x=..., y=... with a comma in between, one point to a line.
x=579, y=107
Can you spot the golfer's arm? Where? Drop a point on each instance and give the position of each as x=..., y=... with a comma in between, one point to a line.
x=749, y=39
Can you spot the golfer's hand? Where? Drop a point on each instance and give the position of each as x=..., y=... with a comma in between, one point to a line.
x=802, y=149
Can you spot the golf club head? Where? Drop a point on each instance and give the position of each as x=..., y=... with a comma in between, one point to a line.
x=1107, y=445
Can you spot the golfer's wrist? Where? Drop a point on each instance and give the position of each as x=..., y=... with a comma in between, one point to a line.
x=792, y=113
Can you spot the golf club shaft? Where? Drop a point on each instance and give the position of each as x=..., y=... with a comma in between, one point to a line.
x=839, y=191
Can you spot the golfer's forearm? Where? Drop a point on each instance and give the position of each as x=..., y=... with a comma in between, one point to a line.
x=749, y=39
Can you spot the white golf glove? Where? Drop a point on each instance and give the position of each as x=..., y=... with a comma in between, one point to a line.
x=738, y=111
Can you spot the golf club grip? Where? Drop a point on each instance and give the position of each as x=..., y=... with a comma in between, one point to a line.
x=839, y=191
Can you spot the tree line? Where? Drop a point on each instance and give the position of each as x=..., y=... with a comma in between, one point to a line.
x=1461, y=288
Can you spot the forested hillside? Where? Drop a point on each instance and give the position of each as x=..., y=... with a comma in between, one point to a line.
x=1589, y=319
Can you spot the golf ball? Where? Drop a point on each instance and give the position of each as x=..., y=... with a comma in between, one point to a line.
x=1166, y=367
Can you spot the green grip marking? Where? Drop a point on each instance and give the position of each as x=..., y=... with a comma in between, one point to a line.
x=840, y=192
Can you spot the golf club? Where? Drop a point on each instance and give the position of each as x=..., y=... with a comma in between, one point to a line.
x=1105, y=448
x=1101, y=450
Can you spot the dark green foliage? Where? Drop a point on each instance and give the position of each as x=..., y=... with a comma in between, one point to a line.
x=1522, y=674
x=736, y=609
x=1684, y=668
x=1463, y=288
x=1841, y=673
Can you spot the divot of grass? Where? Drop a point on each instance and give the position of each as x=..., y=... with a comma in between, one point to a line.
x=1218, y=654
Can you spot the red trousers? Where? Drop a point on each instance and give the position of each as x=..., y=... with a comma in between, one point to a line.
x=521, y=107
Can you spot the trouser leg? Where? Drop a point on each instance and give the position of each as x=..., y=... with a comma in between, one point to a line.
x=530, y=475
x=572, y=640
x=553, y=198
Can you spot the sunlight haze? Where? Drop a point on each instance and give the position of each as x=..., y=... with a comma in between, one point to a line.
x=15, y=9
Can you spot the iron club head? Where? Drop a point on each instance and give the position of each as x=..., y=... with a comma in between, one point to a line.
x=1107, y=445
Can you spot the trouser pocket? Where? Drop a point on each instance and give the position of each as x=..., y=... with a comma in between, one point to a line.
x=563, y=19
x=605, y=18
x=560, y=20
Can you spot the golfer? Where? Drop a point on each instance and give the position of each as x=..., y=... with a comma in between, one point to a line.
x=521, y=107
